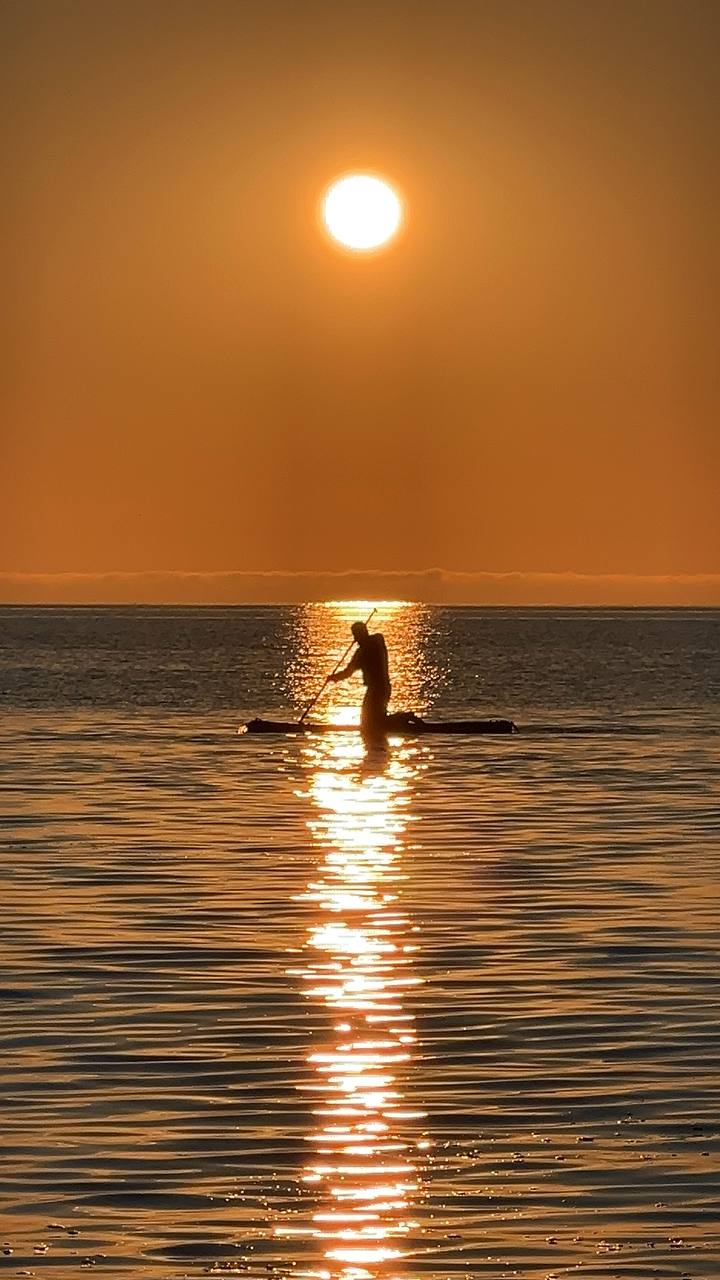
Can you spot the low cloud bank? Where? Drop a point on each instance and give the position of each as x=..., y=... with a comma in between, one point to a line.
x=432, y=586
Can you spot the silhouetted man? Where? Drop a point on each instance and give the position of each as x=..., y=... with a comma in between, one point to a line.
x=371, y=658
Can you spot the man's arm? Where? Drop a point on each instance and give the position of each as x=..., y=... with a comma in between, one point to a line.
x=352, y=666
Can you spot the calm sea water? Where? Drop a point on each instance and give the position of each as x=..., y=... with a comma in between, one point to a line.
x=278, y=1006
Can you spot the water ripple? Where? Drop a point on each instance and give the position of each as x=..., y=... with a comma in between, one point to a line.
x=273, y=1007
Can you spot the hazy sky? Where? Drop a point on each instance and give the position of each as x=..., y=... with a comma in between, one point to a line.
x=195, y=380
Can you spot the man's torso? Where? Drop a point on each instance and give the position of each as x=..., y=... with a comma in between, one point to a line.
x=373, y=663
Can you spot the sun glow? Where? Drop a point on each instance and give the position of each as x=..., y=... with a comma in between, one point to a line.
x=362, y=212
x=363, y=606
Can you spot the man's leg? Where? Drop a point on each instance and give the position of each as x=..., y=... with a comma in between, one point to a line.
x=372, y=715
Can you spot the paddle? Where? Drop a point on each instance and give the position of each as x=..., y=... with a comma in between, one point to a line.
x=327, y=679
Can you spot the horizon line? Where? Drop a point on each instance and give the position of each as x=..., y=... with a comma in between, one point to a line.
x=506, y=588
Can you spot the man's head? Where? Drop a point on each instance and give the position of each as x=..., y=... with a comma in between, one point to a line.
x=360, y=632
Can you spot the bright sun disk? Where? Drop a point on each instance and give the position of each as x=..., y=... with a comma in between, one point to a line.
x=361, y=211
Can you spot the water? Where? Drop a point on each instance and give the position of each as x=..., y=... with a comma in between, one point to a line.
x=279, y=1006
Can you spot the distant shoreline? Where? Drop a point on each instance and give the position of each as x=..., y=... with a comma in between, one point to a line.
x=93, y=605
x=463, y=588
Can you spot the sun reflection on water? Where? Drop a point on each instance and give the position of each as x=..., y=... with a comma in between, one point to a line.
x=358, y=964
x=320, y=634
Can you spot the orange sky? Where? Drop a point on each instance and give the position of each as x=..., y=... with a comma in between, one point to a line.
x=194, y=380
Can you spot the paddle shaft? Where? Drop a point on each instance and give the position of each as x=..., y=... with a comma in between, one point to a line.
x=327, y=679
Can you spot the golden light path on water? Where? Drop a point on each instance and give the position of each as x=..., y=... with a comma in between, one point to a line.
x=358, y=963
x=319, y=635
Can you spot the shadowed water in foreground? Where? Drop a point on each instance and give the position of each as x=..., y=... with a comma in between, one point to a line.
x=288, y=1007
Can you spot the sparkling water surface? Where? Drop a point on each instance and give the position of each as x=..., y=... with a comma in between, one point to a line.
x=286, y=1006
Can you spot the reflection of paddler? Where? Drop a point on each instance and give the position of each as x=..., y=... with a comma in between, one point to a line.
x=370, y=658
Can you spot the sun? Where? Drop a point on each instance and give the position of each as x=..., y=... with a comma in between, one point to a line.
x=362, y=212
